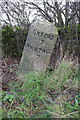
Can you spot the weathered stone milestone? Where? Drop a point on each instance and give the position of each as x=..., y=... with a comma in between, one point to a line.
x=38, y=48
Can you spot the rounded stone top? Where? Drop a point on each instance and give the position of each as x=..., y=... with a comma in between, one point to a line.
x=43, y=24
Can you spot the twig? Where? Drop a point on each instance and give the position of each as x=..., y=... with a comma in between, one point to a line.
x=55, y=114
x=70, y=114
x=3, y=74
x=63, y=116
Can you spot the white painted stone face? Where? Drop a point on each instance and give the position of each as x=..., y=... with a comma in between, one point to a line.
x=38, y=48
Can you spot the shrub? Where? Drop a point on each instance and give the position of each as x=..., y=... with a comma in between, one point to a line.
x=13, y=40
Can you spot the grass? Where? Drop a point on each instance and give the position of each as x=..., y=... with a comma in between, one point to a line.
x=44, y=95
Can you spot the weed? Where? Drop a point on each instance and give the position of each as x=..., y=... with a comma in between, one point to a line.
x=44, y=95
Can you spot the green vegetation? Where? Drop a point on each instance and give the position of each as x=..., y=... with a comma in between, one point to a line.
x=44, y=95
x=13, y=40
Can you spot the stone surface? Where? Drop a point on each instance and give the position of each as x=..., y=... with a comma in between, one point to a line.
x=38, y=48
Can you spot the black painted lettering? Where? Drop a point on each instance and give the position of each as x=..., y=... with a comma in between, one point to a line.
x=49, y=36
x=35, y=48
x=48, y=51
x=28, y=45
x=38, y=56
x=43, y=51
x=42, y=34
x=40, y=50
x=34, y=32
x=42, y=41
x=38, y=33
x=31, y=47
x=45, y=35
